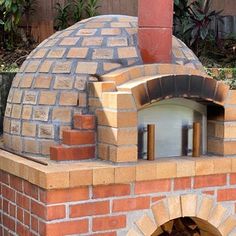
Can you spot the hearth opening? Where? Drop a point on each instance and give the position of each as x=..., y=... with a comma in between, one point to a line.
x=173, y=120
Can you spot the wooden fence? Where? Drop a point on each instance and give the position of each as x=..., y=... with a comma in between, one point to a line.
x=42, y=21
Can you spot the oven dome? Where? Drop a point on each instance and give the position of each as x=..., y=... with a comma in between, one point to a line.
x=52, y=83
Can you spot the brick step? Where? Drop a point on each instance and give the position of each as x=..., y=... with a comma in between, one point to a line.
x=87, y=122
x=78, y=137
x=67, y=153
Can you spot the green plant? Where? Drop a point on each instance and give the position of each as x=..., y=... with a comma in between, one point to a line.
x=62, y=17
x=79, y=7
x=92, y=7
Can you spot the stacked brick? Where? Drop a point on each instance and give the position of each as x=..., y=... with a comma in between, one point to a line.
x=117, y=209
x=52, y=83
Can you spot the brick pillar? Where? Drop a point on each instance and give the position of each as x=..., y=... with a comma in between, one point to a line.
x=155, y=23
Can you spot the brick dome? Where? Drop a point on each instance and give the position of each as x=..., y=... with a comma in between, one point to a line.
x=51, y=85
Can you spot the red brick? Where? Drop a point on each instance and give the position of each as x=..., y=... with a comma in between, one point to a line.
x=156, y=199
x=38, y=209
x=226, y=194
x=182, y=183
x=22, y=201
x=4, y=177
x=8, y=193
x=16, y=183
x=84, y=121
x=34, y=224
x=56, y=212
x=152, y=186
x=5, y=206
x=60, y=153
x=104, y=191
x=20, y=214
x=233, y=179
x=9, y=223
x=208, y=192
x=105, y=234
x=130, y=204
x=30, y=190
x=26, y=218
x=78, y=137
x=67, y=227
x=22, y=230
x=12, y=210
x=109, y=223
x=90, y=209
x=209, y=181
x=65, y=195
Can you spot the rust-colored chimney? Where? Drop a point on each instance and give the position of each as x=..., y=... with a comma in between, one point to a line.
x=155, y=23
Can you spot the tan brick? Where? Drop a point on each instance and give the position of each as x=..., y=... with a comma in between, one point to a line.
x=45, y=66
x=26, y=82
x=205, y=208
x=16, y=111
x=127, y=52
x=217, y=214
x=102, y=53
x=10, y=95
x=7, y=140
x=166, y=169
x=45, y=146
x=189, y=205
x=146, y=172
x=136, y=72
x=47, y=98
x=222, y=165
x=62, y=67
x=77, y=53
x=64, y=33
x=63, y=82
x=15, y=127
x=185, y=168
x=56, y=53
x=81, y=178
x=86, y=67
x=17, y=96
x=62, y=128
x=50, y=42
x=8, y=110
x=229, y=148
x=125, y=174
x=120, y=136
x=82, y=100
x=94, y=25
x=231, y=100
x=123, y=153
x=46, y=131
x=116, y=119
x=43, y=82
x=68, y=98
x=110, y=31
x=16, y=81
x=86, y=32
x=230, y=130
x=17, y=143
x=132, y=232
x=30, y=97
x=6, y=125
x=103, y=151
x=103, y=176
x=215, y=146
x=69, y=41
x=27, y=112
x=174, y=206
x=120, y=24
x=160, y=213
x=204, y=167
x=146, y=225
x=31, y=146
x=29, y=129
x=41, y=113
x=150, y=69
x=61, y=114
x=227, y=226
x=110, y=66
x=40, y=53
x=98, y=88
x=115, y=42
x=80, y=83
x=32, y=66
x=92, y=41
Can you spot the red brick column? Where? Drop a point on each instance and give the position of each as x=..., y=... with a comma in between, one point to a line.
x=155, y=21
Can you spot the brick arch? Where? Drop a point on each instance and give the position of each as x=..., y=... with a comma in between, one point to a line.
x=210, y=216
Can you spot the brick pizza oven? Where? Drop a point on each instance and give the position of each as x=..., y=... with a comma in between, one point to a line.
x=113, y=128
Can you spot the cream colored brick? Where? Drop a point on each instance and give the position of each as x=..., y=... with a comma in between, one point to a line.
x=41, y=113
x=222, y=165
x=43, y=82
x=81, y=178
x=31, y=146
x=29, y=129
x=125, y=174
x=77, y=53
x=62, y=67
x=30, y=97
x=174, y=206
x=98, y=88
x=185, y=168
x=15, y=127
x=205, y=208
x=82, y=100
x=217, y=215
x=161, y=213
x=116, y=119
x=47, y=98
x=127, y=52
x=227, y=226
x=16, y=111
x=146, y=225
x=87, y=67
x=123, y=153
x=103, y=176
x=17, y=96
x=166, y=170
x=146, y=172
x=189, y=205
x=204, y=167
x=103, y=151
x=103, y=53
x=26, y=82
x=132, y=232
x=68, y=99
x=17, y=143
x=45, y=131
x=61, y=114
x=27, y=112
x=63, y=82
